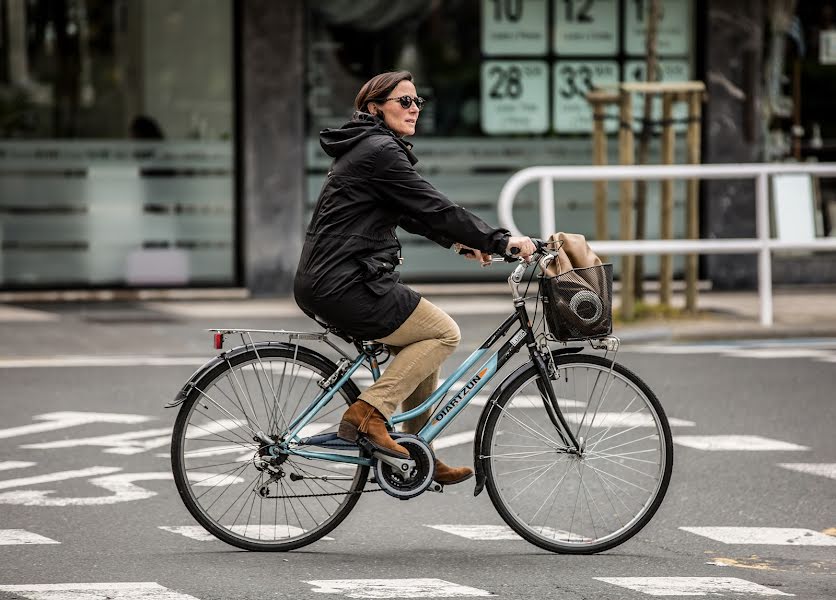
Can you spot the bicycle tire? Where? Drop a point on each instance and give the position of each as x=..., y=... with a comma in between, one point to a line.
x=539, y=450
x=215, y=411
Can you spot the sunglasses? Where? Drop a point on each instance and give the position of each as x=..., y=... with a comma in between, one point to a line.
x=406, y=101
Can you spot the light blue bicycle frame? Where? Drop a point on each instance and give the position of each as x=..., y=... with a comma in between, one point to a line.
x=445, y=413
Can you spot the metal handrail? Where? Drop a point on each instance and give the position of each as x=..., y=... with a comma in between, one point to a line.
x=763, y=245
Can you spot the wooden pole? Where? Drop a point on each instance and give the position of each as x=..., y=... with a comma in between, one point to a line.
x=599, y=150
x=644, y=141
x=693, y=225
x=626, y=157
x=666, y=220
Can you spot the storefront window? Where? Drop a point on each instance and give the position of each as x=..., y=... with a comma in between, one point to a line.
x=116, y=153
x=506, y=81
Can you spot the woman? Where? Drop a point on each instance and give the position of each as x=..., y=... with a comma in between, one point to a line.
x=346, y=275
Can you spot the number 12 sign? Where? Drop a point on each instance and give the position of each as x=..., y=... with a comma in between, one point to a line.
x=515, y=96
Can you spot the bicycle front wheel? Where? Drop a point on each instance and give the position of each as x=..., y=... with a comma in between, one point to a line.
x=578, y=502
x=217, y=452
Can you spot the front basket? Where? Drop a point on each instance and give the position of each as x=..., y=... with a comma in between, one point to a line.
x=578, y=303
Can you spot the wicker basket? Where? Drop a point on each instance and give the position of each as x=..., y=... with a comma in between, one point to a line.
x=578, y=303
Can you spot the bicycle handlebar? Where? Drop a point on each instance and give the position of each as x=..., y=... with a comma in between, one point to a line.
x=512, y=257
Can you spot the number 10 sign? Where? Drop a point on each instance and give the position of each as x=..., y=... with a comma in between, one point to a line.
x=515, y=96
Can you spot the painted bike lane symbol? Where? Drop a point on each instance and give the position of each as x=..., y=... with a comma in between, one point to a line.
x=120, y=485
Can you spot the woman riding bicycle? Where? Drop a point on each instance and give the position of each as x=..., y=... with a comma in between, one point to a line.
x=346, y=275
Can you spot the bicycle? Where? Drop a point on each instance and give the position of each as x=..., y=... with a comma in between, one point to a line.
x=575, y=450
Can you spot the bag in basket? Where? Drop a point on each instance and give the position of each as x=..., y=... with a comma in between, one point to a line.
x=577, y=291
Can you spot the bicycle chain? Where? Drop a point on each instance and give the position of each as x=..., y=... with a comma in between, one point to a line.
x=328, y=494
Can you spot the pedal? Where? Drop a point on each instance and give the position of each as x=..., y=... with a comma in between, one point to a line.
x=436, y=487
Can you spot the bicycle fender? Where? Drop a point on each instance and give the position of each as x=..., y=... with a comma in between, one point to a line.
x=478, y=440
x=184, y=391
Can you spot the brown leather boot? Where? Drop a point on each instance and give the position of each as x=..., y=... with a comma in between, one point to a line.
x=363, y=419
x=447, y=475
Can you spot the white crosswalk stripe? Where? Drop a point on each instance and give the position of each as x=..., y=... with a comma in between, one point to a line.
x=13, y=537
x=821, y=469
x=735, y=442
x=395, y=588
x=139, y=590
x=692, y=586
x=196, y=532
x=823, y=350
x=772, y=536
x=493, y=533
x=8, y=465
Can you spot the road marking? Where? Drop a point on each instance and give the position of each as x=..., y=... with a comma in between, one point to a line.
x=454, y=439
x=734, y=442
x=528, y=401
x=817, y=350
x=196, y=532
x=50, y=362
x=12, y=537
x=822, y=469
x=8, y=465
x=306, y=431
x=61, y=476
x=616, y=420
x=133, y=442
x=691, y=586
x=139, y=590
x=395, y=588
x=116, y=443
x=121, y=485
x=775, y=536
x=779, y=353
x=493, y=533
x=17, y=314
x=62, y=420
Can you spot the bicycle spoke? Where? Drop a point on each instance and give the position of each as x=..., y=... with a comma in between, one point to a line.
x=605, y=490
x=242, y=499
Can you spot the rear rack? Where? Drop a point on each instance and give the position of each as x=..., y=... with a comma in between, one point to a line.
x=293, y=337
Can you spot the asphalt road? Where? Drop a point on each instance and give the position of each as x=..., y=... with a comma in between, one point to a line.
x=107, y=539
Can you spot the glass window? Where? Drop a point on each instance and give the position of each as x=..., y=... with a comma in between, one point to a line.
x=116, y=159
x=506, y=80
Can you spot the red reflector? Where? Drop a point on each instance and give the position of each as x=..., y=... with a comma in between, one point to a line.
x=219, y=341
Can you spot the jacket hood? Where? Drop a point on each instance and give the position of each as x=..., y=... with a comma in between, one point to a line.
x=336, y=142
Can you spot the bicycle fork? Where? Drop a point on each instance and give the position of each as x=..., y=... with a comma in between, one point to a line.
x=550, y=402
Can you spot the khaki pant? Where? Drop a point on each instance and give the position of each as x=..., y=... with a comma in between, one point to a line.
x=419, y=347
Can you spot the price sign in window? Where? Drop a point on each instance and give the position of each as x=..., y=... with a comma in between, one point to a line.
x=674, y=31
x=669, y=70
x=586, y=27
x=515, y=27
x=572, y=80
x=515, y=96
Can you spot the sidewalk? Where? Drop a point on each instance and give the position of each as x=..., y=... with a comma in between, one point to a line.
x=798, y=312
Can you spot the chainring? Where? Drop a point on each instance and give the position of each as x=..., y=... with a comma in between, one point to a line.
x=417, y=480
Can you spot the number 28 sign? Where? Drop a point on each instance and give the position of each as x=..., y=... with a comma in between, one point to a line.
x=515, y=96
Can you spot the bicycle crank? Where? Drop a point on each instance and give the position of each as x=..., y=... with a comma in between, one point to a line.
x=406, y=484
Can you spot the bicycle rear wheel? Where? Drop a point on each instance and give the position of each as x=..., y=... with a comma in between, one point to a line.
x=216, y=452
x=578, y=503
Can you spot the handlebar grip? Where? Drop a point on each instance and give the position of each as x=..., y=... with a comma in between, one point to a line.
x=465, y=251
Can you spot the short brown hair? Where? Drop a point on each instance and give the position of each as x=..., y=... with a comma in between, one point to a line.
x=379, y=87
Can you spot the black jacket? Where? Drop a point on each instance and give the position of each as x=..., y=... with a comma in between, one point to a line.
x=346, y=274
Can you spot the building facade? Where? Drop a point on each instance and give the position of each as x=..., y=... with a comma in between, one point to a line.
x=175, y=144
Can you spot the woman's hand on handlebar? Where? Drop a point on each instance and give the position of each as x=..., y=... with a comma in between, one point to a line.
x=520, y=247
